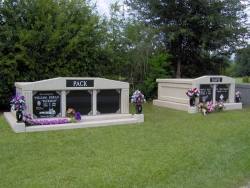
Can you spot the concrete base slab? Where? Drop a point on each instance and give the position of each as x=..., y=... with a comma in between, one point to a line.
x=87, y=121
x=173, y=105
x=233, y=106
x=190, y=109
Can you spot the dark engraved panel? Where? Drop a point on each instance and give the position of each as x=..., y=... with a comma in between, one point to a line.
x=46, y=104
x=215, y=79
x=108, y=101
x=206, y=93
x=221, y=93
x=79, y=83
x=80, y=100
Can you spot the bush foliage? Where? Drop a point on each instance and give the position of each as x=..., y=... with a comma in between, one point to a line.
x=45, y=39
x=245, y=79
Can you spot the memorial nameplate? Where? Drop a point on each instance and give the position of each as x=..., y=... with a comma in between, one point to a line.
x=79, y=83
x=80, y=100
x=108, y=101
x=215, y=79
x=206, y=93
x=46, y=104
x=221, y=93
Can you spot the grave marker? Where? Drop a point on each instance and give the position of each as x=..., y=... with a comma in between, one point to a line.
x=206, y=93
x=222, y=92
x=46, y=104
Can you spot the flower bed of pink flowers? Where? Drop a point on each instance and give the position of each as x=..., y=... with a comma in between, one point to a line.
x=210, y=107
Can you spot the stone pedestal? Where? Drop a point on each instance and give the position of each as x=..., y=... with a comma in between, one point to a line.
x=139, y=117
x=192, y=109
x=19, y=127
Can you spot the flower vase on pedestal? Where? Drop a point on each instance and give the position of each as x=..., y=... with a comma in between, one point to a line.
x=73, y=119
x=138, y=108
x=192, y=101
x=238, y=99
x=19, y=116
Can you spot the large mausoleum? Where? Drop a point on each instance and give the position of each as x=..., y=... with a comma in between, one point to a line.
x=100, y=102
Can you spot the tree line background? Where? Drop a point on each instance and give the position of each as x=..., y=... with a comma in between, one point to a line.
x=139, y=41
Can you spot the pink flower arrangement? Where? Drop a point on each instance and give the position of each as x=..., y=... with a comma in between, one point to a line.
x=209, y=107
x=219, y=106
x=193, y=93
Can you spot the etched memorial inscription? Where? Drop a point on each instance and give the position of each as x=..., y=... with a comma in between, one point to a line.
x=221, y=93
x=206, y=93
x=46, y=104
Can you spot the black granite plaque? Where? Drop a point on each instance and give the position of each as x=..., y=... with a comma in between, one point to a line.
x=46, y=104
x=215, y=79
x=221, y=93
x=79, y=83
x=80, y=100
x=206, y=93
x=108, y=101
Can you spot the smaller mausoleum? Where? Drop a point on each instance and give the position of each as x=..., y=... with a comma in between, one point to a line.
x=172, y=92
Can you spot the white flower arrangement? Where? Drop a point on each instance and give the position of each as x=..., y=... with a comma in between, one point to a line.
x=238, y=93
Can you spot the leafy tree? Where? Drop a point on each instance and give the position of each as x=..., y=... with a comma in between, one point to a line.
x=192, y=28
x=132, y=44
x=158, y=67
x=116, y=66
x=241, y=65
x=40, y=39
x=142, y=45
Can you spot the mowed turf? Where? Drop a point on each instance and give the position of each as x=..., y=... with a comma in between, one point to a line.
x=170, y=149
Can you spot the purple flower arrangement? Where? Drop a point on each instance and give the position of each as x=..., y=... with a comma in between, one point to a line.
x=49, y=122
x=26, y=117
x=29, y=121
x=78, y=116
x=138, y=98
x=75, y=116
x=17, y=102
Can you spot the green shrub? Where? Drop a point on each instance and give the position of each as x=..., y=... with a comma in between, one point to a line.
x=245, y=79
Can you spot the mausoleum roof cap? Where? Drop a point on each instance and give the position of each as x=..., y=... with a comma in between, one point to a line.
x=60, y=83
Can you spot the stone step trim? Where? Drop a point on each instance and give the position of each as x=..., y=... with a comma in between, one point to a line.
x=87, y=121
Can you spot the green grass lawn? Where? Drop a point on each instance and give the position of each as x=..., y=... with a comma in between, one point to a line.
x=238, y=80
x=170, y=149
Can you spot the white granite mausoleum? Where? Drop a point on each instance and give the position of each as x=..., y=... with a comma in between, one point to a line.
x=100, y=101
x=172, y=92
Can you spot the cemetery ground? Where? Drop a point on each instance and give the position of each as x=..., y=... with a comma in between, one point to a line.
x=238, y=80
x=170, y=149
